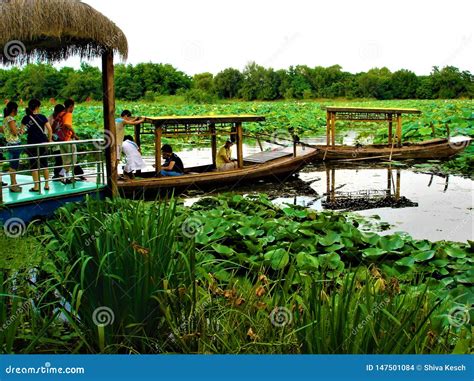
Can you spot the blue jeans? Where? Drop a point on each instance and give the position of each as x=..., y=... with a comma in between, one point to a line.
x=170, y=173
x=14, y=156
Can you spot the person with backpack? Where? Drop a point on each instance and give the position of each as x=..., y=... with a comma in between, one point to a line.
x=38, y=131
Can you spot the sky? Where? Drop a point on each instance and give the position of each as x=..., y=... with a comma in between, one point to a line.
x=210, y=35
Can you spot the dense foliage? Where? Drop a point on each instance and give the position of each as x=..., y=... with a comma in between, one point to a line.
x=255, y=82
x=233, y=274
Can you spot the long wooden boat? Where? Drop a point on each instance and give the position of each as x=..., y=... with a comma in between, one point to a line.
x=436, y=149
x=395, y=149
x=277, y=164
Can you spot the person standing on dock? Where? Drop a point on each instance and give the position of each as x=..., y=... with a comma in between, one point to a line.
x=68, y=152
x=120, y=123
x=39, y=131
x=12, y=136
x=55, y=121
x=223, y=158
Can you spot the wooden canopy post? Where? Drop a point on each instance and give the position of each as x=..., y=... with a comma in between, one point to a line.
x=390, y=129
x=137, y=131
x=333, y=129
x=158, y=133
x=399, y=130
x=240, y=151
x=389, y=181
x=109, y=122
x=212, y=130
x=328, y=128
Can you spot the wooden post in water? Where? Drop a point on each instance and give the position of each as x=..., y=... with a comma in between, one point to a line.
x=397, y=189
x=212, y=130
x=109, y=122
x=240, y=151
x=328, y=128
x=333, y=129
x=390, y=129
x=399, y=130
x=158, y=133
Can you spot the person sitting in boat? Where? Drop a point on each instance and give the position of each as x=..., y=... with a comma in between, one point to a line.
x=134, y=157
x=223, y=159
x=173, y=165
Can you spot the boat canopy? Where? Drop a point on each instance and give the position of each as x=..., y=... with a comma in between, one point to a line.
x=199, y=125
x=366, y=114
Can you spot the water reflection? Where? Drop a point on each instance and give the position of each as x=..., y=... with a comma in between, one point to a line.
x=365, y=198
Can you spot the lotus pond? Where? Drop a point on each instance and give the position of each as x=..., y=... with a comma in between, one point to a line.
x=230, y=274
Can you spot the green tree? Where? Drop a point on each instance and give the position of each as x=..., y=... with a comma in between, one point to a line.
x=228, y=83
x=404, y=84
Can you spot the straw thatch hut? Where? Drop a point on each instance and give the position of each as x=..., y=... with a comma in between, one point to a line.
x=53, y=30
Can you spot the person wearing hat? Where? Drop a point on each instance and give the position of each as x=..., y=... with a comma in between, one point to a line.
x=223, y=159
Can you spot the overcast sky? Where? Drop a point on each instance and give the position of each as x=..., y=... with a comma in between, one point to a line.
x=210, y=35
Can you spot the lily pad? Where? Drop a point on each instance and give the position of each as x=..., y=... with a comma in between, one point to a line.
x=278, y=258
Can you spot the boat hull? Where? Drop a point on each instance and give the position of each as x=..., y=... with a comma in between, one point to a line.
x=431, y=150
x=277, y=170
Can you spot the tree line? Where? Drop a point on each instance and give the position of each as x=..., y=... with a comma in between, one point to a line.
x=148, y=80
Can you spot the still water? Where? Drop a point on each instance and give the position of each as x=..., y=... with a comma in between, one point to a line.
x=423, y=205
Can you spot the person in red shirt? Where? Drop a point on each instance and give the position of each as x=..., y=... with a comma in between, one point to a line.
x=68, y=152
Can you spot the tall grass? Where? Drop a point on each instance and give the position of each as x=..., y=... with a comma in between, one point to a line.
x=119, y=266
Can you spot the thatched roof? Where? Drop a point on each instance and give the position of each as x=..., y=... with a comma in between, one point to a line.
x=53, y=30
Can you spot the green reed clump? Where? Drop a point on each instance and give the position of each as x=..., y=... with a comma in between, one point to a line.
x=119, y=267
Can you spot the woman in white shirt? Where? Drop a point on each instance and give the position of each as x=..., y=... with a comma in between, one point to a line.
x=12, y=135
x=135, y=161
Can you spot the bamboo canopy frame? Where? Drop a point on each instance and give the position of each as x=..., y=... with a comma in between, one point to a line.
x=202, y=125
x=54, y=30
x=366, y=114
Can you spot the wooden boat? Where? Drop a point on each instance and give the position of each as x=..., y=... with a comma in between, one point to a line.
x=395, y=149
x=435, y=149
x=277, y=164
